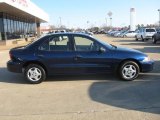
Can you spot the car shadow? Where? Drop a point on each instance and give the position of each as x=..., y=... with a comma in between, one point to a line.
x=91, y=77
x=8, y=77
x=136, y=95
x=156, y=68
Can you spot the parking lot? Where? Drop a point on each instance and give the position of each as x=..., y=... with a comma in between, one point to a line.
x=99, y=97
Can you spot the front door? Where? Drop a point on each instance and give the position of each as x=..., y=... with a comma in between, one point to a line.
x=91, y=56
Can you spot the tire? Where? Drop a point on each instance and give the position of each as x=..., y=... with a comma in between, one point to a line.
x=154, y=41
x=142, y=38
x=129, y=70
x=124, y=36
x=34, y=73
x=136, y=38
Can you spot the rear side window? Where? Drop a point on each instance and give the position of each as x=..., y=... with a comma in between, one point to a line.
x=56, y=43
x=150, y=30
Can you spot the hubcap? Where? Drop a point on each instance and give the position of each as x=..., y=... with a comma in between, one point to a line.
x=129, y=71
x=34, y=74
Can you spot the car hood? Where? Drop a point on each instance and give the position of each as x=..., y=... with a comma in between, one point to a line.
x=129, y=50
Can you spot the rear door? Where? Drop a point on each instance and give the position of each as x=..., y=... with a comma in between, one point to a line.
x=91, y=56
x=57, y=55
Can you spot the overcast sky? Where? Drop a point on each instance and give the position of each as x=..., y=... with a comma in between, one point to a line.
x=76, y=13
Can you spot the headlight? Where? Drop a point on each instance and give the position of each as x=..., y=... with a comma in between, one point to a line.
x=146, y=59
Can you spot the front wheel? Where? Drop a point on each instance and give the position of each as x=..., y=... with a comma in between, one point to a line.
x=35, y=74
x=142, y=38
x=136, y=38
x=129, y=71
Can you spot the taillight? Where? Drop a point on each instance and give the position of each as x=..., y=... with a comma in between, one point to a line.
x=11, y=56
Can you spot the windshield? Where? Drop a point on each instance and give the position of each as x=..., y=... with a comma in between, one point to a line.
x=105, y=43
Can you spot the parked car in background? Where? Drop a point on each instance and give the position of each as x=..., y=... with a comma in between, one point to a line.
x=123, y=33
x=99, y=32
x=145, y=34
x=111, y=33
x=89, y=33
x=117, y=33
x=73, y=53
x=131, y=34
x=156, y=36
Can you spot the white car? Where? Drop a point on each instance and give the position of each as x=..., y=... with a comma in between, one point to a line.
x=145, y=33
x=130, y=34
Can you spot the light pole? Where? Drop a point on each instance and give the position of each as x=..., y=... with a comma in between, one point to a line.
x=159, y=17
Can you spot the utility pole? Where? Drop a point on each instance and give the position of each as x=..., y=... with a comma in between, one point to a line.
x=106, y=22
x=110, y=16
x=159, y=17
x=60, y=22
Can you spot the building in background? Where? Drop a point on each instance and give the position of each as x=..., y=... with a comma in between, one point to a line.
x=132, y=19
x=19, y=18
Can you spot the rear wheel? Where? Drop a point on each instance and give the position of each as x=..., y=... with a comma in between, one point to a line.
x=35, y=73
x=129, y=70
x=142, y=38
x=154, y=40
x=124, y=36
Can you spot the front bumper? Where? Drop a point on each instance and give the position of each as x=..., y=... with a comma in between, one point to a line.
x=147, y=66
x=14, y=66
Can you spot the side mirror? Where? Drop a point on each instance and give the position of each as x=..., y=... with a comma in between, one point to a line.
x=102, y=50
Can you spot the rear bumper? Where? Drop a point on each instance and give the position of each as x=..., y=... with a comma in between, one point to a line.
x=147, y=66
x=148, y=37
x=14, y=66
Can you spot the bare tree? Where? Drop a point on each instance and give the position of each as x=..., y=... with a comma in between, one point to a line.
x=52, y=27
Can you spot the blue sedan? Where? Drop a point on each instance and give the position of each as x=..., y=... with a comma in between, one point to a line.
x=74, y=53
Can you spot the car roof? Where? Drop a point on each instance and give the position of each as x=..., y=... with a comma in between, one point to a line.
x=147, y=28
x=68, y=33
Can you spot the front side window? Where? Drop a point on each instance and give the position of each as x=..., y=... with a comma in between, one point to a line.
x=85, y=44
x=56, y=43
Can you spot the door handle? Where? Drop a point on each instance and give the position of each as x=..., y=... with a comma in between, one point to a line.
x=40, y=55
x=77, y=57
